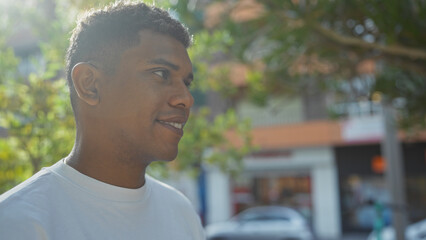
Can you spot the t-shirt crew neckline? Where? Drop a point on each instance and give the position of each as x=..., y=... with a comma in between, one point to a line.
x=100, y=189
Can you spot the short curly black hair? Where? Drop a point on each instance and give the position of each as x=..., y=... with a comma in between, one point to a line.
x=103, y=35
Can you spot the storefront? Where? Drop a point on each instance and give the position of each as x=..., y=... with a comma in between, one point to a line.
x=304, y=179
x=291, y=189
x=362, y=185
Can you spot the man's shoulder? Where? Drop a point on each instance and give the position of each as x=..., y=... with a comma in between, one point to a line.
x=166, y=191
x=20, y=210
x=158, y=185
x=177, y=205
x=22, y=207
x=28, y=193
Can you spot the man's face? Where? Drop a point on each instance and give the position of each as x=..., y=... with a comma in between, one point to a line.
x=146, y=102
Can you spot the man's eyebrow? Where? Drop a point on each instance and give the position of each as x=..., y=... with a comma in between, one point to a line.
x=162, y=61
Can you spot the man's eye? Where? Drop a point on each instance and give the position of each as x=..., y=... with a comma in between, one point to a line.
x=162, y=73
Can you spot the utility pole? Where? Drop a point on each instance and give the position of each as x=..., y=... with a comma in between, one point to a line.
x=395, y=178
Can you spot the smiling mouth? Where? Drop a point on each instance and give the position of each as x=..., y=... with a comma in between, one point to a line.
x=173, y=124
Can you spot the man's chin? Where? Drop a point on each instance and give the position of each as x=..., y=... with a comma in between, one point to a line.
x=167, y=157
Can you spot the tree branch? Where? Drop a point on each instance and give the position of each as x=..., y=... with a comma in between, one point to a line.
x=398, y=51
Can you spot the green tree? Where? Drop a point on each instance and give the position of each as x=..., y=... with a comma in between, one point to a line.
x=34, y=107
x=320, y=45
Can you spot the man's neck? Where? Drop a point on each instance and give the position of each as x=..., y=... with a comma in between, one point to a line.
x=107, y=169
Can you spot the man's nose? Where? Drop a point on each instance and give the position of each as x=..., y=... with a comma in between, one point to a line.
x=181, y=96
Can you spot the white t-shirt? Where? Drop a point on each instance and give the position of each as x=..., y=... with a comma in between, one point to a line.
x=61, y=203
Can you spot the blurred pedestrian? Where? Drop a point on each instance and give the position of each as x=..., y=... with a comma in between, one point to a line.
x=129, y=73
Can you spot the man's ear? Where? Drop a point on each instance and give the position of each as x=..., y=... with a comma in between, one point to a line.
x=85, y=79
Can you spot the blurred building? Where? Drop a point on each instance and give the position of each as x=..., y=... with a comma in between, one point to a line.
x=332, y=171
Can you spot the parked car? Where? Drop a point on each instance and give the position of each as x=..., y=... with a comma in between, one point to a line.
x=262, y=223
x=415, y=231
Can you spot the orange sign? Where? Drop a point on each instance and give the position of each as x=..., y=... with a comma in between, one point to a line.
x=378, y=164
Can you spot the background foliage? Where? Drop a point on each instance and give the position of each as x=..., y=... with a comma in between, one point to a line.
x=356, y=50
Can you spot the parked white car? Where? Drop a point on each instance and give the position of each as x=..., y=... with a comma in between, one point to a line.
x=415, y=231
x=262, y=223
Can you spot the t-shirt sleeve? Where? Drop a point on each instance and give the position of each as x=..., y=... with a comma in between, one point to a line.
x=192, y=218
x=15, y=225
x=172, y=204
x=199, y=230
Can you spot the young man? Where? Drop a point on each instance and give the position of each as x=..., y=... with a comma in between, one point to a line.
x=129, y=73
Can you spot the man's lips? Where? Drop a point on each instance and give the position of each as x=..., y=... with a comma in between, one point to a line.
x=175, y=124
